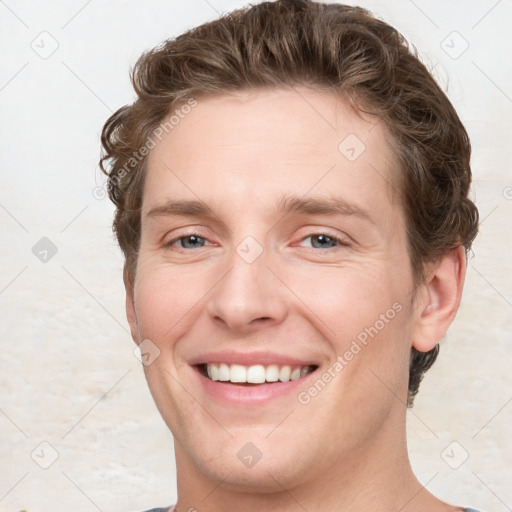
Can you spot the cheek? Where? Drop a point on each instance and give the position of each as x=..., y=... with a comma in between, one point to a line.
x=363, y=313
x=371, y=369
x=164, y=297
x=348, y=299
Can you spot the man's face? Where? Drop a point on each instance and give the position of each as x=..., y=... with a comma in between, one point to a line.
x=259, y=274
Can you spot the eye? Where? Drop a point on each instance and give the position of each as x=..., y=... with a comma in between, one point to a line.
x=324, y=241
x=191, y=241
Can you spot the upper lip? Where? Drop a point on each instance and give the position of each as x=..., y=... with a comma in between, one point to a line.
x=251, y=359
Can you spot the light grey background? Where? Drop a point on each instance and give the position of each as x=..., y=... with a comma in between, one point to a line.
x=68, y=375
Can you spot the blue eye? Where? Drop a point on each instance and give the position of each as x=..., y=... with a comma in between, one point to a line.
x=324, y=241
x=318, y=241
x=189, y=241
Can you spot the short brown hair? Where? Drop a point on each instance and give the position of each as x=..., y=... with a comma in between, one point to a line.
x=332, y=47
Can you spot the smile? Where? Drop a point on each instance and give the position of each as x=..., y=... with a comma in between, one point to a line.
x=254, y=374
x=233, y=379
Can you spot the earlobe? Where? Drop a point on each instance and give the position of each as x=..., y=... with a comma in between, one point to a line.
x=439, y=300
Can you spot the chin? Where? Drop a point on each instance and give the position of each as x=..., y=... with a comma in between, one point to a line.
x=265, y=477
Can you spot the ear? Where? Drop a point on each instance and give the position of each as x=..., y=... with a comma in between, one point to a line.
x=438, y=300
x=130, y=307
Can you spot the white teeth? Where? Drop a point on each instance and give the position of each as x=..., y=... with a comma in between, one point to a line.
x=255, y=374
x=223, y=372
x=284, y=373
x=238, y=373
x=213, y=371
x=272, y=373
x=295, y=373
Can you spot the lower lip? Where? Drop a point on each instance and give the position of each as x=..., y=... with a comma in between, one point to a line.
x=233, y=394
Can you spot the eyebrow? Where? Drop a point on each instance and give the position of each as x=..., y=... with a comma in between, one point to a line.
x=185, y=208
x=285, y=205
x=321, y=206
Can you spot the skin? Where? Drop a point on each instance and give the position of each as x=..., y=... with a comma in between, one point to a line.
x=239, y=154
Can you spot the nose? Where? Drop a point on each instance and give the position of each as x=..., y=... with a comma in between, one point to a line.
x=247, y=296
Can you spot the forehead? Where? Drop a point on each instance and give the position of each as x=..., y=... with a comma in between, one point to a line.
x=259, y=143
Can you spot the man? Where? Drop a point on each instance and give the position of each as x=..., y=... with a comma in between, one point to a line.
x=291, y=188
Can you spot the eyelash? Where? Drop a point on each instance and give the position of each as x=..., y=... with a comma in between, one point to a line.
x=182, y=237
x=340, y=242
